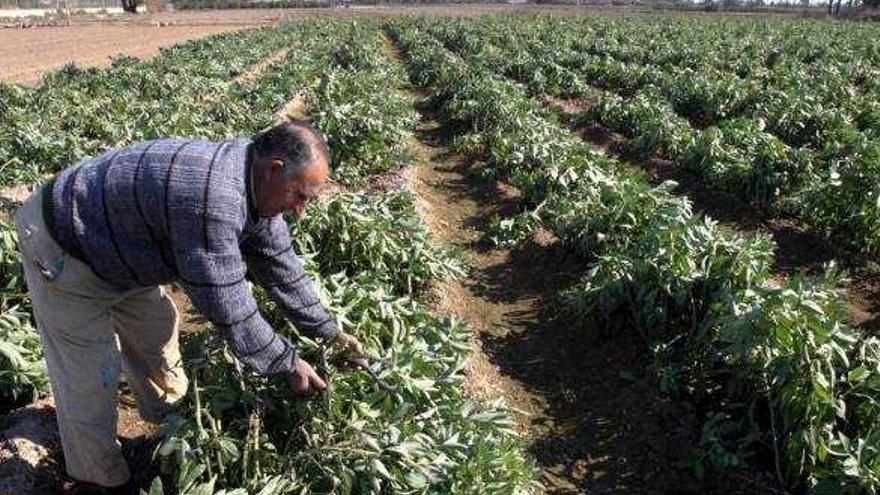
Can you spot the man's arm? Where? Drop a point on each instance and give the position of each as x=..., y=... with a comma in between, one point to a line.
x=215, y=282
x=274, y=265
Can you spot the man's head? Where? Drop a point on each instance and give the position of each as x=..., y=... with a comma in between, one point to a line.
x=290, y=163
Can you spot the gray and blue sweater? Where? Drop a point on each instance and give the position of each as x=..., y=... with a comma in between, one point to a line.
x=182, y=211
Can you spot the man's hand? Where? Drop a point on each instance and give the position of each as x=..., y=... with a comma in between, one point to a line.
x=352, y=347
x=305, y=378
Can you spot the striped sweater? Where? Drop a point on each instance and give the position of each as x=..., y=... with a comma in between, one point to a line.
x=173, y=210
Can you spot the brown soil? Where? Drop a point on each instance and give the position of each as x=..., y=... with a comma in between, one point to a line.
x=259, y=68
x=15, y=196
x=29, y=449
x=296, y=108
x=594, y=420
x=190, y=319
x=568, y=106
x=27, y=54
x=864, y=297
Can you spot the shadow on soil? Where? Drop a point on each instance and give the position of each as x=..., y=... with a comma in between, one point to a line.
x=603, y=427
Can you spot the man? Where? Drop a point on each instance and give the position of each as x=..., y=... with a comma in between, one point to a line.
x=101, y=237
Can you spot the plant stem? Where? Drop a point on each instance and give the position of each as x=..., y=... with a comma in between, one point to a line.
x=215, y=435
x=776, y=457
x=199, y=425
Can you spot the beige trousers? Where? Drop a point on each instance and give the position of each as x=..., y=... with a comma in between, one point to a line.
x=90, y=331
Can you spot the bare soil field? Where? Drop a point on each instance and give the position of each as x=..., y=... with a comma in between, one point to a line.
x=27, y=54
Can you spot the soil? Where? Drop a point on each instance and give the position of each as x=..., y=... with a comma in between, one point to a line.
x=28, y=448
x=259, y=68
x=295, y=108
x=15, y=196
x=190, y=319
x=595, y=423
x=864, y=297
x=27, y=54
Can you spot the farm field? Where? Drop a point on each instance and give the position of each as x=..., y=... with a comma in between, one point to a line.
x=27, y=54
x=601, y=254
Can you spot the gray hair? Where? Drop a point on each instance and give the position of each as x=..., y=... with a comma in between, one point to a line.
x=294, y=142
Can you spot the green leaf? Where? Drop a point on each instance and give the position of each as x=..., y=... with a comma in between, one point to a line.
x=416, y=480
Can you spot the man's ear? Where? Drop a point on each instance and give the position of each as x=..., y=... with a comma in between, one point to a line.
x=276, y=165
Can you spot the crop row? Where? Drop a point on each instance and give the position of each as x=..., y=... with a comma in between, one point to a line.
x=773, y=366
x=795, y=138
x=366, y=119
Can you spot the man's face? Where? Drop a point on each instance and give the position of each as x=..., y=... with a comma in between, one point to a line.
x=293, y=193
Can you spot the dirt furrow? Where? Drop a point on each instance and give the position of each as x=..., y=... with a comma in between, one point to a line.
x=257, y=70
x=294, y=109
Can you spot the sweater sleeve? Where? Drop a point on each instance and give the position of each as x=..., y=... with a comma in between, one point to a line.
x=214, y=279
x=276, y=267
